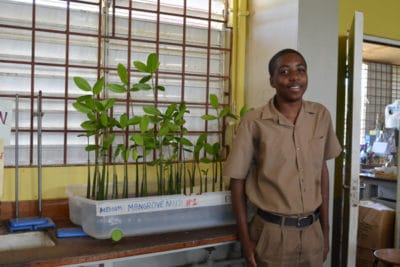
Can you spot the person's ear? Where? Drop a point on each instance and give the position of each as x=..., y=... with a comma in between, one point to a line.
x=271, y=82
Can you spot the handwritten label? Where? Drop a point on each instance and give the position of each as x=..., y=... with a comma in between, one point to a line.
x=5, y=120
x=160, y=203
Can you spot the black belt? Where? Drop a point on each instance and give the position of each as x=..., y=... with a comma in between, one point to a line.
x=298, y=221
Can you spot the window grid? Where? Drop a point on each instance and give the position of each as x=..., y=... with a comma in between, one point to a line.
x=382, y=88
x=65, y=64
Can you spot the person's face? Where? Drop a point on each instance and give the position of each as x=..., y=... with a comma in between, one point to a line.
x=290, y=77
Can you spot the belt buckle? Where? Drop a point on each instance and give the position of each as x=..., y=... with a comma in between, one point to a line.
x=300, y=221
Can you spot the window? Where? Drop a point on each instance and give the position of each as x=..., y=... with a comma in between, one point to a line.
x=45, y=43
x=380, y=87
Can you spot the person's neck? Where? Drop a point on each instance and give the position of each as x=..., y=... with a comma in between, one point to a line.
x=288, y=109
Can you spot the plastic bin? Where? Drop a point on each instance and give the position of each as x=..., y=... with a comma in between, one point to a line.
x=148, y=215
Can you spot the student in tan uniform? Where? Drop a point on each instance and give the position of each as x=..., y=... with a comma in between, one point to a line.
x=278, y=163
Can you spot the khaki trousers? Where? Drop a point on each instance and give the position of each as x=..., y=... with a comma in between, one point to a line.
x=287, y=246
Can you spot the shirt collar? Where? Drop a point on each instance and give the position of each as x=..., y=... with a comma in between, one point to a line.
x=269, y=111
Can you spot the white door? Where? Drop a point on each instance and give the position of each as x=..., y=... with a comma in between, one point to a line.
x=352, y=180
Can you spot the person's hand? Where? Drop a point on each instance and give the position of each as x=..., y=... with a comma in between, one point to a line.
x=248, y=249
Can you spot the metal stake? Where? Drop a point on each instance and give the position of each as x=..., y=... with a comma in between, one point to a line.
x=16, y=157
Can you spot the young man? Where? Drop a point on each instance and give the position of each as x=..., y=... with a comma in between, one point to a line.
x=278, y=163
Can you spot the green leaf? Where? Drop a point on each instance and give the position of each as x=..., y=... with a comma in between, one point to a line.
x=151, y=110
x=244, y=110
x=91, y=147
x=140, y=66
x=152, y=63
x=145, y=79
x=125, y=154
x=99, y=106
x=205, y=160
x=141, y=87
x=160, y=88
x=173, y=127
x=209, y=149
x=91, y=116
x=138, y=139
x=208, y=117
x=112, y=122
x=123, y=120
x=116, y=88
x=108, y=141
x=108, y=103
x=171, y=108
x=119, y=149
x=89, y=125
x=214, y=101
x=135, y=120
x=103, y=119
x=163, y=131
x=135, y=154
x=202, y=138
x=122, y=73
x=81, y=107
x=225, y=111
x=84, y=98
x=82, y=84
x=144, y=123
x=186, y=142
x=216, y=148
x=98, y=86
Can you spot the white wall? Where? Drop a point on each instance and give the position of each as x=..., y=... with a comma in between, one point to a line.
x=310, y=26
x=272, y=26
x=318, y=41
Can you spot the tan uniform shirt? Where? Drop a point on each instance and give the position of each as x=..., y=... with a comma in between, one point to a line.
x=282, y=162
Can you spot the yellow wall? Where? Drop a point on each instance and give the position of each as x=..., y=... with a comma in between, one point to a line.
x=381, y=18
x=54, y=181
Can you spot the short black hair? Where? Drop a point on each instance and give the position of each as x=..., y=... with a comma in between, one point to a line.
x=273, y=61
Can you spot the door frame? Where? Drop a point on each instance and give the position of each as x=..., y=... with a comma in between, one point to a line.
x=347, y=181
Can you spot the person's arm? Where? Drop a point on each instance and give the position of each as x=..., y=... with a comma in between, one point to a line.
x=324, y=209
x=240, y=208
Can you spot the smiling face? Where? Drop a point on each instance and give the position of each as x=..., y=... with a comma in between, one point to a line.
x=289, y=77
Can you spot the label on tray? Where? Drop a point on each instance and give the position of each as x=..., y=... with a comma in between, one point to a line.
x=161, y=203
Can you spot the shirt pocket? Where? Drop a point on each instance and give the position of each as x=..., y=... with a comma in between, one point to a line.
x=317, y=149
x=274, y=157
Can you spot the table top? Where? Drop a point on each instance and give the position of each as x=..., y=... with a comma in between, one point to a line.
x=368, y=175
x=77, y=250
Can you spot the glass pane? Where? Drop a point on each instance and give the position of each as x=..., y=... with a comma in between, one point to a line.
x=84, y=18
x=195, y=90
x=50, y=80
x=16, y=44
x=172, y=6
x=16, y=13
x=171, y=29
x=50, y=47
x=83, y=50
x=15, y=79
x=52, y=16
x=196, y=60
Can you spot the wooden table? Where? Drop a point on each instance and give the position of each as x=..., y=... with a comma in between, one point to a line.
x=86, y=249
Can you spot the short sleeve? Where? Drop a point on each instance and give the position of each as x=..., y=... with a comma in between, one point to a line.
x=332, y=145
x=240, y=157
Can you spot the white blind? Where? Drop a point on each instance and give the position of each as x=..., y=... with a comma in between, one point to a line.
x=45, y=43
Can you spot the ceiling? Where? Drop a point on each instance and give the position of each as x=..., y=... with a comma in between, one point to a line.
x=381, y=53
